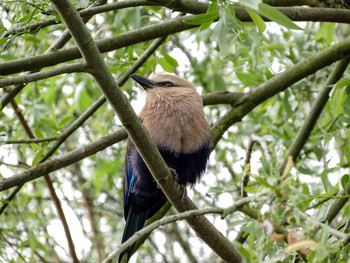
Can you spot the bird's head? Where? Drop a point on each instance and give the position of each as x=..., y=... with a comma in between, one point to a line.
x=162, y=81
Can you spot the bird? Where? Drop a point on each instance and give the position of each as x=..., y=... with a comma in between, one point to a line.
x=173, y=116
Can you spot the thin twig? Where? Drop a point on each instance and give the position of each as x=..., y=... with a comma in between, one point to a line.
x=245, y=177
x=310, y=121
x=49, y=184
x=36, y=140
x=137, y=132
x=27, y=78
x=88, y=113
x=173, y=218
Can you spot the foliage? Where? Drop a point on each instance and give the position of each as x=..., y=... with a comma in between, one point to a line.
x=220, y=54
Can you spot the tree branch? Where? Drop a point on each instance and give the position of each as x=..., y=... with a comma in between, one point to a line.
x=49, y=185
x=70, y=68
x=57, y=44
x=36, y=140
x=88, y=12
x=173, y=218
x=108, y=44
x=171, y=26
x=315, y=112
x=337, y=204
x=279, y=83
x=63, y=160
x=94, y=107
x=144, y=144
x=247, y=173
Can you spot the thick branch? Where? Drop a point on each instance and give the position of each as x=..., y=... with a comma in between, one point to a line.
x=62, y=161
x=337, y=204
x=49, y=185
x=162, y=29
x=142, y=140
x=78, y=122
x=315, y=112
x=88, y=12
x=195, y=7
x=70, y=68
x=57, y=44
x=279, y=83
x=108, y=44
x=173, y=218
x=97, y=104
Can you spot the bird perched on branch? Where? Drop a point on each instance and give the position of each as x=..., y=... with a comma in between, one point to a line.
x=173, y=115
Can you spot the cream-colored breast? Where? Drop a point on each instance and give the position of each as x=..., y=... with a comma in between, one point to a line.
x=175, y=119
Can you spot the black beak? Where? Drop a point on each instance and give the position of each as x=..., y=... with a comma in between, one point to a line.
x=144, y=82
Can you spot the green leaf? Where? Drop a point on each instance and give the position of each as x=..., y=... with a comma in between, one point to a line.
x=321, y=254
x=248, y=79
x=165, y=65
x=3, y=40
x=251, y=4
x=245, y=252
x=202, y=18
x=347, y=110
x=52, y=124
x=213, y=9
x=38, y=133
x=260, y=23
x=324, y=180
x=66, y=120
x=344, y=182
x=287, y=106
x=82, y=98
x=219, y=82
x=133, y=16
x=251, y=190
x=53, y=114
x=274, y=15
x=172, y=61
x=261, y=181
x=8, y=43
x=325, y=32
x=37, y=157
x=35, y=147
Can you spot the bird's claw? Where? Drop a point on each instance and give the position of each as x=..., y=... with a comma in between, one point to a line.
x=175, y=176
x=183, y=188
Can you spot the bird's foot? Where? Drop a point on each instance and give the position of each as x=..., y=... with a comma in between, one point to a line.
x=175, y=176
x=183, y=188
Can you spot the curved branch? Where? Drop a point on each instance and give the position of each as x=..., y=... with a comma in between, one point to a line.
x=195, y=7
x=108, y=44
x=49, y=185
x=173, y=218
x=94, y=107
x=57, y=44
x=141, y=138
x=171, y=26
x=337, y=204
x=315, y=112
x=88, y=12
x=70, y=68
x=220, y=97
x=35, y=140
x=279, y=83
x=63, y=160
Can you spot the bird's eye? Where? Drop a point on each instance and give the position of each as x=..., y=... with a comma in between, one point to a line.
x=167, y=84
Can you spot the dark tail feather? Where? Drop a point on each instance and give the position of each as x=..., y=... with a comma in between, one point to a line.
x=133, y=224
